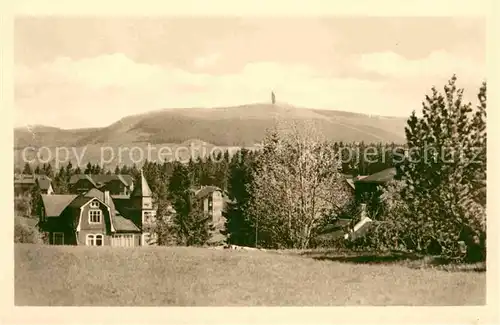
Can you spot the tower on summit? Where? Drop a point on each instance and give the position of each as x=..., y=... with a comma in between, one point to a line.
x=273, y=97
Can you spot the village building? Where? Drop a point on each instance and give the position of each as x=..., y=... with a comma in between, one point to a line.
x=115, y=184
x=213, y=201
x=98, y=218
x=24, y=184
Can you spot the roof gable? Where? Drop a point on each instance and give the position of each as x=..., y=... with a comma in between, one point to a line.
x=142, y=189
x=95, y=193
x=383, y=176
x=79, y=201
x=123, y=224
x=55, y=204
x=102, y=178
x=350, y=181
x=30, y=178
x=44, y=183
x=207, y=190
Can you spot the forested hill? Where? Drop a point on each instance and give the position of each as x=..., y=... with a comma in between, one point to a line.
x=242, y=125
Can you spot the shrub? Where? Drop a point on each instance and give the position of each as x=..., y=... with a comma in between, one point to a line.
x=27, y=233
x=22, y=205
x=438, y=206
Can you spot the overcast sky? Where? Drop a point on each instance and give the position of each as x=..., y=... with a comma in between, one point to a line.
x=82, y=72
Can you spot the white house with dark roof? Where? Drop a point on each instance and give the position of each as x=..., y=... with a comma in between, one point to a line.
x=212, y=203
x=115, y=184
x=97, y=218
x=24, y=183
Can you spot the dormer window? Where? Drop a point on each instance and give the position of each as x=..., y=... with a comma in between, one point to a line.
x=148, y=216
x=95, y=216
x=94, y=204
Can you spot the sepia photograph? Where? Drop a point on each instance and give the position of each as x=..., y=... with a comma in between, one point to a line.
x=190, y=161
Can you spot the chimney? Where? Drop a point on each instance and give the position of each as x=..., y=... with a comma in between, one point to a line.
x=364, y=213
x=107, y=198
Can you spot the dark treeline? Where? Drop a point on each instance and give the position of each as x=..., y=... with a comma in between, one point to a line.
x=357, y=159
x=279, y=198
x=233, y=173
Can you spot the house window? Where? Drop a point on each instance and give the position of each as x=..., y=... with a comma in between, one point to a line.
x=146, y=216
x=145, y=239
x=94, y=204
x=149, y=239
x=58, y=238
x=95, y=216
x=95, y=240
x=123, y=240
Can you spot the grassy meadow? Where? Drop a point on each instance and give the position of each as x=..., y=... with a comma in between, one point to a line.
x=181, y=276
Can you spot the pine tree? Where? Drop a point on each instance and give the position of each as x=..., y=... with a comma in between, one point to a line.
x=438, y=176
x=134, y=172
x=61, y=181
x=88, y=168
x=69, y=169
x=190, y=222
x=47, y=170
x=97, y=169
x=125, y=170
x=117, y=170
x=27, y=169
x=239, y=227
x=35, y=199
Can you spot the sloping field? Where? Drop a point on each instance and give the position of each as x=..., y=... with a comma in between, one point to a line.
x=162, y=276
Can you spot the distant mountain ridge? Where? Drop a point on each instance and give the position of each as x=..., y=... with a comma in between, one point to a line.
x=242, y=125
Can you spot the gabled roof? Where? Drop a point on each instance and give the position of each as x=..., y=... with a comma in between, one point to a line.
x=24, y=179
x=30, y=179
x=55, y=204
x=381, y=177
x=77, y=177
x=95, y=193
x=101, y=179
x=44, y=182
x=79, y=201
x=142, y=189
x=122, y=206
x=350, y=181
x=126, y=179
x=206, y=190
x=122, y=224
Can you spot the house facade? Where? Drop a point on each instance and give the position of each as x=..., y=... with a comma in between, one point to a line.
x=24, y=183
x=98, y=218
x=212, y=203
x=369, y=188
x=115, y=184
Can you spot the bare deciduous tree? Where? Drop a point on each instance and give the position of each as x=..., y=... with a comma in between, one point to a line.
x=297, y=184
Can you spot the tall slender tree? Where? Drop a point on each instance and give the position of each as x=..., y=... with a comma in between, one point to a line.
x=297, y=185
x=191, y=224
x=239, y=225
